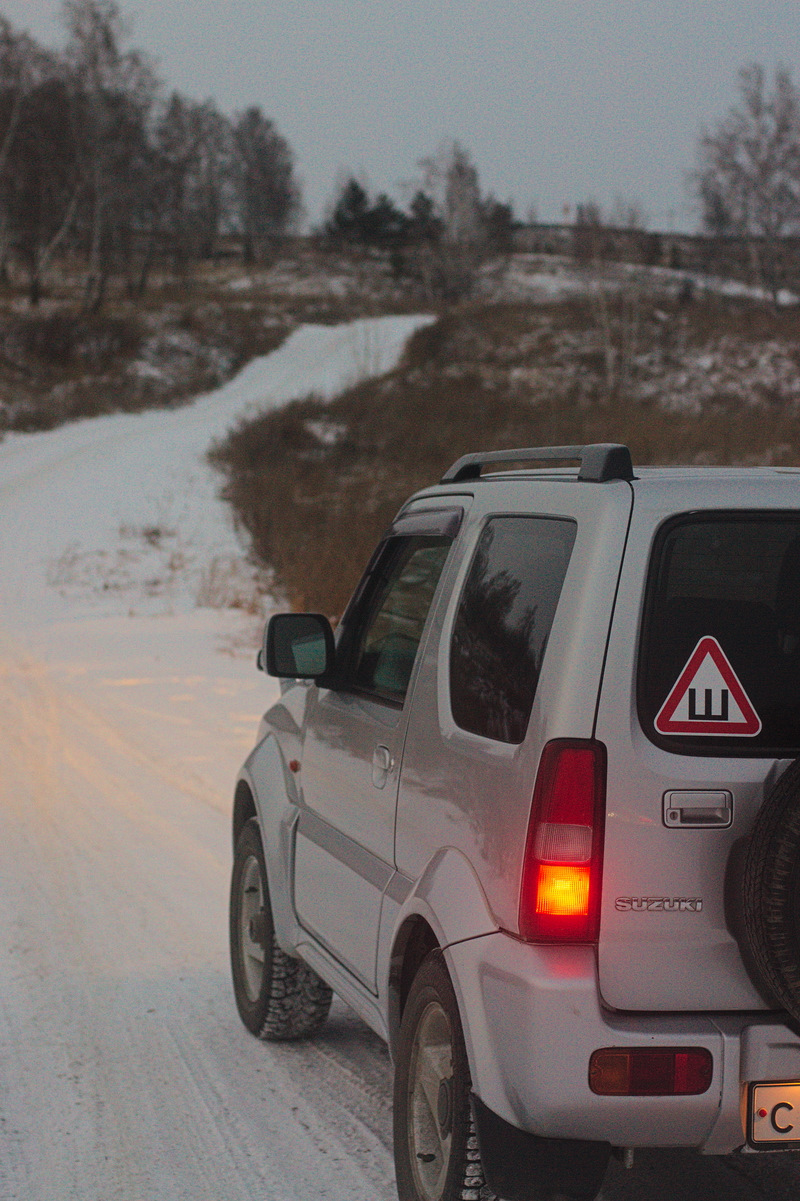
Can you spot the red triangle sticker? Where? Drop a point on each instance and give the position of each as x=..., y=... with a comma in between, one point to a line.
x=708, y=698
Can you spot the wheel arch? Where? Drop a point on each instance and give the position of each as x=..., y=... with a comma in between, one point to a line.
x=414, y=941
x=447, y=905
x=244, y=807
x=266, y=790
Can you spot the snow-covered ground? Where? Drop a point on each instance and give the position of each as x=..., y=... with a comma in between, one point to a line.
x=127, y=700
x=542, y=278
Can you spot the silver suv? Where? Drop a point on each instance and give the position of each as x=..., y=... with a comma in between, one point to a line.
x=531, y=812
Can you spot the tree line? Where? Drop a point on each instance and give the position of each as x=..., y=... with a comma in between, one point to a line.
x=745, y=184
x=97, y=159
x=450, y=227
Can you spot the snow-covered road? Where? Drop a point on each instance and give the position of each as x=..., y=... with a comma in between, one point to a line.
x=127, y=701
x=128, y=697
x=124, y=1070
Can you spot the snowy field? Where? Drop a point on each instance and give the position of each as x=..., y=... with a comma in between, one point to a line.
x=129, y=697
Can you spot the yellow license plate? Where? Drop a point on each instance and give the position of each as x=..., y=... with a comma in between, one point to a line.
x=773, y=1118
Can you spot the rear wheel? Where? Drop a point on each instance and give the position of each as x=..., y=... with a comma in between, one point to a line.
x=435, y=1145
x=278, y=997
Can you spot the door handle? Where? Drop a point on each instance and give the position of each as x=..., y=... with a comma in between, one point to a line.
x=382, y=764
x=696, y=809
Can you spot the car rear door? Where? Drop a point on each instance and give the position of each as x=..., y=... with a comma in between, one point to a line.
x=699, y=709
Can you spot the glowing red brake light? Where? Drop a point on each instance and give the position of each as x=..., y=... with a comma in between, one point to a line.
x=562, y=870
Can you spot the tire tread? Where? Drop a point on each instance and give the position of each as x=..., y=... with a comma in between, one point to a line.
x=770, y=881
x=294, y=1001
x=466, y=1179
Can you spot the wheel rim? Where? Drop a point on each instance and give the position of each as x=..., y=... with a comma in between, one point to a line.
x=251, y=902
x=430, y=1095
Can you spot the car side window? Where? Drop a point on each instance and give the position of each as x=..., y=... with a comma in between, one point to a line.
x=503, y=622
x=381, y=645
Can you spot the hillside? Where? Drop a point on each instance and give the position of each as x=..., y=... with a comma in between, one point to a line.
x=184, y=337
x=682, y=367
x=680, y=372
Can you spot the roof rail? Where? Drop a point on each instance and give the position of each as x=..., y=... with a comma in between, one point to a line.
x=600, y=461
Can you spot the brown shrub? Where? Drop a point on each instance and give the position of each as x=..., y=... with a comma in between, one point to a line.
x=65, y=340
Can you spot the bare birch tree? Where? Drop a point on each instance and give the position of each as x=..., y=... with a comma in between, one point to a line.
x=268, y=193
x=42, y=186
x=448, y=264
x=617, y=291
x=114, y=90
x=748, y=173
x=25, y=69
x=213, y=182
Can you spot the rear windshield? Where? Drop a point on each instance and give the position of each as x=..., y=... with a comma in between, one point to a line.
x=719, y=670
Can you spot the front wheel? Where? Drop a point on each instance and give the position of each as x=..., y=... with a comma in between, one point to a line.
x=435, y=1144
x=278, y=997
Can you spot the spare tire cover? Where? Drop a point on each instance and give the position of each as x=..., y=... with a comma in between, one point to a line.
x=771, y=895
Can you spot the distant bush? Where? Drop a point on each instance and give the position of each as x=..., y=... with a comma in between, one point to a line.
x=67, y=340
x=63, y=365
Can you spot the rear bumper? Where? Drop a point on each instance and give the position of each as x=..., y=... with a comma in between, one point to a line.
x=532, y=1019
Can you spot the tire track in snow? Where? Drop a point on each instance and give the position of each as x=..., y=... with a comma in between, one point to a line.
x=151, y=1056
x=115, y=985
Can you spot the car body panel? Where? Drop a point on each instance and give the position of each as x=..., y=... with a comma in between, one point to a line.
x=532, y=1017
x=269, y=780
x=345, y=838
x=537, y=1077
x=476, y=792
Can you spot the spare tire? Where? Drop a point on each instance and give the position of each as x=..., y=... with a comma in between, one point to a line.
x=771, y=887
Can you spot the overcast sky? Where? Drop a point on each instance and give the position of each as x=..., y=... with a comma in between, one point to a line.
x=558, y=101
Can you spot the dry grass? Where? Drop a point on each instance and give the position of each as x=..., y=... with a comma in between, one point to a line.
x=227, y=583
x=315, y=483
x=57, y=365
x=182, y=338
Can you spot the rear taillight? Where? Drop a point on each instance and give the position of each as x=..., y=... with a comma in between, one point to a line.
x=561, y=875
x=651, y=1071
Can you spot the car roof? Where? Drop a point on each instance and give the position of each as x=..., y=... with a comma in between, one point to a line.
x=683, y=487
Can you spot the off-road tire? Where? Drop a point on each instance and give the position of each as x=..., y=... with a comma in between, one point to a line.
x=771, y=892
x=278, y=996
x=455, y=1172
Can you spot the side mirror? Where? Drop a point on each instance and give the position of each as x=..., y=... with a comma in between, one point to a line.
x=297, y=646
